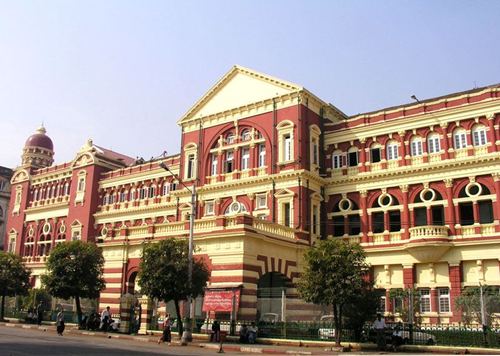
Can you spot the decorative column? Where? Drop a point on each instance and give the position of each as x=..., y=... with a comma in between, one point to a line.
x=445, y=140
x=362, y=155
x=146, y=313
x=492, y=135
x=387, y=226
x=455, y=276
x=254, y=159
x=405, y=215
x=364, y=218
x=404, y=148
x=428, y=213
x=496, y=205
x=450, y=209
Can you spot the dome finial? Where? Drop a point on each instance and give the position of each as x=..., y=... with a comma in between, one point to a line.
x=41, y=129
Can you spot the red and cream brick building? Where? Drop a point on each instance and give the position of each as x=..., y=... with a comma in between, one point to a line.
x=275, y=169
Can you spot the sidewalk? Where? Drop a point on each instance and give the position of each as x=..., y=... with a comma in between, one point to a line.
x=265, y=346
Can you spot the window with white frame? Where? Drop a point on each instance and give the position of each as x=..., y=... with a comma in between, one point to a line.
x=392, y=151
x=66, y=188
x=352, y=156
x=35, y=195
x=245, y=158
x=337, y=160
x=229, y=161
x=132, y=195
x=375, y=154
x=190, y=166
x=262, y=155
x=165, y=188
x=209, y=208
x=105, y=200
x=230, y=138
x=81, y=184
x=433, y=143
x=143, y=193
x=152, y=192
x=479, y=135
x=287, y=149
x=261, y=201
x=460, y=139
x=315, y=151
x=416, y=147
x=246, y=135
x=215, y=162
x=123, y=197
x=315, y=220
x=287, y=214
x=425, y=300
x=444, y=300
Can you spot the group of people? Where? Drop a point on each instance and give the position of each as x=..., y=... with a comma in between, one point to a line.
x=35, y=315
x=380, y=328
x=248, y=334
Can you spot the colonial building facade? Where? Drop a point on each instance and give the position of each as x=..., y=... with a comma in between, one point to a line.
x=5, y=175
x=276, y=168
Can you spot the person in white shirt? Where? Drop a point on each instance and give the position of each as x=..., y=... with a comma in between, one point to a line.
x=379, y=326
x=105, y=319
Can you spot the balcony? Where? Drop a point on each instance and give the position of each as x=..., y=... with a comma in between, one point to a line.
x=428, y=243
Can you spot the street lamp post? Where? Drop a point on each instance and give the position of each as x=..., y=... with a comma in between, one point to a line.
x=187, y=335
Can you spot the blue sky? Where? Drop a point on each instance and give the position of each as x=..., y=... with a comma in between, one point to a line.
x=123, y=72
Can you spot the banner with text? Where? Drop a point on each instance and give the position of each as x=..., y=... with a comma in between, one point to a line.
x=221, y=300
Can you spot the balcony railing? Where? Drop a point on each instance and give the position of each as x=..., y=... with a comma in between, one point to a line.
x=428, y=231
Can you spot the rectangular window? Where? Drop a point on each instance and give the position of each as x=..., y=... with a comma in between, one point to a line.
x=122, y=197
x=215, y=162
x=434, y=145
x=315, y=152
x=378, y=222
x=397, y=305
x=261, y=202
x=190, y=166
x=416, y=148
x=151, y=192
x=262, y=155
x=81, y=184
x=229, y=161
x=425, y=300
x=245, y=158
x=209, y=208
x=354, y=224
x=437, y=215
x=420, y=215
x=485, y=211
x=353, y=159
x=338, y=226
x=287, y=219
x=375, y=154
x=479, y=137
x=381, y=306
x=337, y=161
x=392, y=152
x=315, y=220
x=287, y=141
x=460, y=140
x=444, y=300
x=394, y=220
x=165, y=189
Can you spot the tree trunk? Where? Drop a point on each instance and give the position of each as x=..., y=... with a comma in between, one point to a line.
x=338, y=324
x=78, y=310
x=2, y=308
x=180, y=327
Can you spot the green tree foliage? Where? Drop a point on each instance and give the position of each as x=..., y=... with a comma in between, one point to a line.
x=360, y=309
x=407, y=304
x=75, y=270
x=163, y=273
x=333, y=275
x=14, y=278
x=35, y=296
x=469, y=302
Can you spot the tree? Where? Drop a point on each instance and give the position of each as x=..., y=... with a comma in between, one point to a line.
x=407, y=304
x=333, y=275
x=14, y=278
x=75, y=270
x=360, y=309
x=35, y=296
x=469, y=302
x=163, y=273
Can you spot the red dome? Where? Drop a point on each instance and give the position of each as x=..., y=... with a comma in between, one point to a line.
x=40, y=139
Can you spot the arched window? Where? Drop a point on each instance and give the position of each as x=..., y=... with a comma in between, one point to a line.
x=66, y=188
x=352, y=156
x=230, y=138
x=479, y=137
x=152, y=191
x=143, y=193
x=346, y=218
x=165, y=188
x=392, y=150
x=337, y=159
x=460, y=138
x=246, y=135
x=235, y=208
x=35, y=195
x=416, y=147
x=386, y=204
x=433, y=211
x=375, y=154
x=475, y=192
x=132, y=195
x=433, y=143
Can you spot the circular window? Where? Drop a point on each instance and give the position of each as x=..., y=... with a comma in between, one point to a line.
x=385, y=200
x=345, y=204
x=473, y=189
x=31, y=232
x=104, y=232
x=427, y=195
x=46, y=228
x=62, y=229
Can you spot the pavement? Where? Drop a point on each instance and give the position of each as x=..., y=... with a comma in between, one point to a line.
x=99, y=343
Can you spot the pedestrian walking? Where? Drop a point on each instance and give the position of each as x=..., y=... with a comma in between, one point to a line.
x=39, y=313
x=215, y=337
x=105, y=319
x=379, y=326
x=167, y=330
x=60, y=322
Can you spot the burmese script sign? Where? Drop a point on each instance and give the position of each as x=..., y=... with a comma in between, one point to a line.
x=221, y=300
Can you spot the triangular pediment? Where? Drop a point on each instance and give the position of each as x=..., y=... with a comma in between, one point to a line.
x=239, y=87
